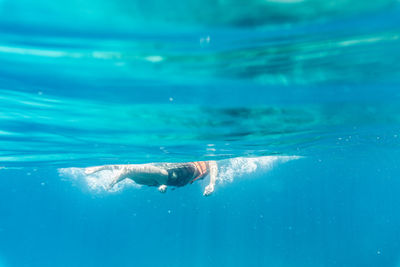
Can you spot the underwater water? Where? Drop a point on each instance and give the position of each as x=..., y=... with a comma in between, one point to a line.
x=298, y=101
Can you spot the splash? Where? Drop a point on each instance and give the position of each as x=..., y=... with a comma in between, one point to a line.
x=238, y=167
x=228, y=170
x=97, y=182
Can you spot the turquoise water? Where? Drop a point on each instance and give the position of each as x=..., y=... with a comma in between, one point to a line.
x=297, y=100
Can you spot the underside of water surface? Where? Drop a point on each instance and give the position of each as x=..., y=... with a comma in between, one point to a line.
x=122, y=81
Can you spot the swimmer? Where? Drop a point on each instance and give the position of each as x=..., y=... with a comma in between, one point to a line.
x=163, y=175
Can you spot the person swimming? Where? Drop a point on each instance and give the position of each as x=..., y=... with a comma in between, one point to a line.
x=163, y=175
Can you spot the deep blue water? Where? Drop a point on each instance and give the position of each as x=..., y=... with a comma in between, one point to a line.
x=298, y=101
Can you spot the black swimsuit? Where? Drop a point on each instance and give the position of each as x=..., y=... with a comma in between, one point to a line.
x=180, y=174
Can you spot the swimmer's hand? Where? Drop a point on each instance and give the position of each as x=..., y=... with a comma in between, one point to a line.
x=208, y=190
x=162, y=188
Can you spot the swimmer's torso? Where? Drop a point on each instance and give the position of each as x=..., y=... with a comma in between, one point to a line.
x=180, y=174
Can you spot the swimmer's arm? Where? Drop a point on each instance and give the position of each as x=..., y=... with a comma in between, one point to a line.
x=213, y=177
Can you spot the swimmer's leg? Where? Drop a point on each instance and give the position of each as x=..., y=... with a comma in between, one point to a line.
x=145, y=174
x=92, y=170
x=116, y=180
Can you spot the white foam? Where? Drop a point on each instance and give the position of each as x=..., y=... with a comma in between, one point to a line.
x=97, y=182
x=228, y=170
x=233, y=168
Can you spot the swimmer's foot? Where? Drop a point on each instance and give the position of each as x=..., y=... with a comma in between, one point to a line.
x=110, y=186
x=114, y=182
x=118, y=178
